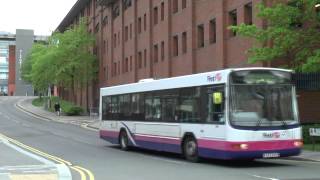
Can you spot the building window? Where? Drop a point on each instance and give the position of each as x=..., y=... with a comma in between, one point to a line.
x=115, y=40
x=130, y=63
x=126, y=69
x=175, y=45
x=119, y=38
x=155, y=15
x=145, y=22
x=162, y=11
x=212, y=31
x=200, y=36
x=184, y=42
x=115, y=11
x=248, y=14
x=233, y=21
x=96, y=29
x=184, y=4
x=127, y=4
x=139, y=60
x=119, y=70
x=126, y=33
x=107, y=46
x=130, y=31
x=89, y=8
x=145, y=58
x=155, y=53
x=174, y=6
x=105, y=20
x=162, y=50
x=139, y=25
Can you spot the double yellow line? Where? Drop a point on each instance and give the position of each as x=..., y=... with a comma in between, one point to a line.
x=84, y=173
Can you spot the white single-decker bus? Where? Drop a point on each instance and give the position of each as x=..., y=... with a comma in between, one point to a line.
x=243, y=113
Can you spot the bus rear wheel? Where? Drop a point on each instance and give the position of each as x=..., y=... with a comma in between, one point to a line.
x=190, y=149
x=124, y=141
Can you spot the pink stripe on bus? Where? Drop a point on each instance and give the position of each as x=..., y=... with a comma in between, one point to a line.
x=105, y=133
x=252, y=145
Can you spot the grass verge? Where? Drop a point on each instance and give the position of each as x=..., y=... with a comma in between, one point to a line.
x=67, y=107
x=309, y=147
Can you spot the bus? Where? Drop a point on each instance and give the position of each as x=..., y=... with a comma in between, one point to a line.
x=240, y=113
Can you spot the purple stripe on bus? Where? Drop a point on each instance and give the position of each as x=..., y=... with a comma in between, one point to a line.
x=229, y=155
x=175, y=148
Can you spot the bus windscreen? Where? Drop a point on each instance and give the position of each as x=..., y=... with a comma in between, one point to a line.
x=261, y=98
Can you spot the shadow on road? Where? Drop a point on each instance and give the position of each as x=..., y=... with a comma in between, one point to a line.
x=263, y=163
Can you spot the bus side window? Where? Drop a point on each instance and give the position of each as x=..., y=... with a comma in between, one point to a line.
x=106, y=108
x=137, y=107
x=115, y=107
x=216, y=105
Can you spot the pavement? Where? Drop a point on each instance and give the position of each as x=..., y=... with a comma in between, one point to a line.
x=25, y=104
x=93, y=123
x=18, y=164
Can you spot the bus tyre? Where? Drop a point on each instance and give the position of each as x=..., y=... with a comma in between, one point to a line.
x=190, y=149
x=124, y=141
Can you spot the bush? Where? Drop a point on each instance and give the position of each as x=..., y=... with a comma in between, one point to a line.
x=74, y=110
x=68, y=108
x=39, y=102
x=305, y=132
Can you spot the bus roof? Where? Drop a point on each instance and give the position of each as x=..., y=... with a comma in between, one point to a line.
x=200, y=79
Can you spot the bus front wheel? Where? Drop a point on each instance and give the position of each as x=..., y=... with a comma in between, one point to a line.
x=190, y=149
x=124, y=141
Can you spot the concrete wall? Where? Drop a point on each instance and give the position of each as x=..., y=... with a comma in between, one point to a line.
x=24, y=41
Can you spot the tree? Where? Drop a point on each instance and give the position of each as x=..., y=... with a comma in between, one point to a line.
x=65, y=61
x=292, y=33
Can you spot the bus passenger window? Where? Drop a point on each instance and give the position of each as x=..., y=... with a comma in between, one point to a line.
x=106, y=108
x=188, y=107
x=137, y=107
x=215, y=105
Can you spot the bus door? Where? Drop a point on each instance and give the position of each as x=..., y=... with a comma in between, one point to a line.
x=214, y=112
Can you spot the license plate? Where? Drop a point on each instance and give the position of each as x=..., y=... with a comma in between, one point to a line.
x=270, y=155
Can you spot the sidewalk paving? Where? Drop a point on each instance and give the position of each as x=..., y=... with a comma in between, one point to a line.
x=25, y=104
x=93, y=122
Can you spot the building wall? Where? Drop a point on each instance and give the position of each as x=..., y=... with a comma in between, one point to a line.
x=12, y=70
x=126, y=42
x=116, y=56
x=24, y=41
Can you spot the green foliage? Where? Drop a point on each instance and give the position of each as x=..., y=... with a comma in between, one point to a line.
x=39, y=102
x=65, y=61
x=292, y=33
x=67, y=107
x=305, y=132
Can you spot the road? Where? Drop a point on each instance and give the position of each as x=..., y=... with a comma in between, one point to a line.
x=92, y=158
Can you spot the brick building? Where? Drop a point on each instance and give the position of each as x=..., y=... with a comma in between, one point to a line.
x=138, y=39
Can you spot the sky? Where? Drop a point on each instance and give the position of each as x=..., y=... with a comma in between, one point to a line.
x=43, y=16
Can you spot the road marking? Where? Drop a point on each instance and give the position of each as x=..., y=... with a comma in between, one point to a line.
x=86, y=126
x=82, y=175
x=261, y=177
x=82, y=171
x=91, y=176
x=30, y=114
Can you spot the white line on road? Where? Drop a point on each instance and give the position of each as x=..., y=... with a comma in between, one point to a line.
x=261, y=177
x=63, y=171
